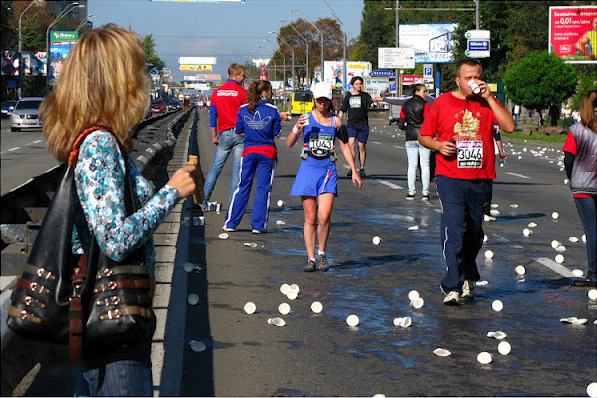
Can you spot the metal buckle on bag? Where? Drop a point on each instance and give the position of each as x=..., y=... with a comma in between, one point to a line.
x=43, y=273
x=30, y=317
x=105, y=273
x=112, y=314
x=31, y=302
x=108, y=301
x=36, y=287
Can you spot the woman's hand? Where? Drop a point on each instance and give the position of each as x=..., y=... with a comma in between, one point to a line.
x=183, y=181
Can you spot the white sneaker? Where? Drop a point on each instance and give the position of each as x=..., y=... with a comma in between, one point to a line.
x=452, y=298
x=468, y=288
x=256, y=231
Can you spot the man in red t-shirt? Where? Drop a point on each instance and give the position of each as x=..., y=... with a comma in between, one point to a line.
x=462, y=123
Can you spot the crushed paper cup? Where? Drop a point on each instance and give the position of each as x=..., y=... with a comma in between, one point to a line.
x=403, y=322
x=280, y=222
x=250, y=307
x=413, y=295
x=520, y=270
x=559, y=259
x=488, y=254
x=561, y=248
x=592, y=390
x=280, y=203
x=499, y=335
x=352, y=320
x=316, y=307
x=481, y=283
x=532, y=225
x=504, y=348
x=584, y=238
x=573, y=239
x=284, y=288
x=223, y=235
x=276, y=321
x=284, y=308
x=592, y=294
x=485, y=238
x=497, y=305
x=441, y=352
x=193, y=299
x=251, y=244
x=527, y=232
x=417, y=303
x=197, y=346
x=376, y=240
x=413, y=228
x=514, y=206
x=189, y=267
x=577, y=273
x=494, y=212
x=555, y=215
x=494, y=205
x=484, y=358
x=574, y=320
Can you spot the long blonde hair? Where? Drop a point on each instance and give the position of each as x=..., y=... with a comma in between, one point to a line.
x=104, y=82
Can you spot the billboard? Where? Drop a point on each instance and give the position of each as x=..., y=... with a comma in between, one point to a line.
x=61, y=43
x=34, y=64
x=432, y=42
x=10, y=63
x=195, y=68
x=333, y=72
x=573, y=33
x=216, y=77
x=196, y=60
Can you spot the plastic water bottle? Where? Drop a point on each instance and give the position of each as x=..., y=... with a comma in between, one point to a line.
x=502, y=163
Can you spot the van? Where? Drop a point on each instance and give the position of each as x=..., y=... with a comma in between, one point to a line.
x=302, y=102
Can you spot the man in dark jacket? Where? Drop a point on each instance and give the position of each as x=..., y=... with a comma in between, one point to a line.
x=412, y=115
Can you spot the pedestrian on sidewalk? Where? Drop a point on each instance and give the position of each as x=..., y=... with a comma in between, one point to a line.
x=580, y=152
x=356, y=104
x=412, y=114
x=462, y=123
x=259, y=121
x=225, y=103
x=316, y=179
x=111, y=93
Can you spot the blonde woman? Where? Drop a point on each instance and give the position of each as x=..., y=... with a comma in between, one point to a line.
x=111, y=93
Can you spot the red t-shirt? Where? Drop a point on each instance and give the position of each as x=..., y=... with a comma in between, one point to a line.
x=227, y=100
x=570, y=147
x=469, y=123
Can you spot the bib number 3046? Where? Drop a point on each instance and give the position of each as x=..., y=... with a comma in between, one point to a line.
x=469, y=154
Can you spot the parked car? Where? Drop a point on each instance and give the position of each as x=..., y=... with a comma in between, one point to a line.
x=174, y=105
x=159, y=106
x=26, y=113
x=7, y=107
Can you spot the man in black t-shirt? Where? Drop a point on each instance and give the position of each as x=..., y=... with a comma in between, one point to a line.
x=357, y=104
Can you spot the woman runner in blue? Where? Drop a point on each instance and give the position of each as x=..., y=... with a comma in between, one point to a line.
x=316, y=179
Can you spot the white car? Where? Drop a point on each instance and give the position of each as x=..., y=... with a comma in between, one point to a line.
x=26, y=114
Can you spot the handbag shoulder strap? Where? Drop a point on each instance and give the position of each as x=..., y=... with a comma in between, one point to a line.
x=74, y=153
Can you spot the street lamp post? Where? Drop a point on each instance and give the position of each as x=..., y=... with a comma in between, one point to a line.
x=291, y=49
x=306, y=49
x=21, y=48
x=284, y=70
x=66, y=10
x=344, y=47
x=85, y=21
x=320, y=36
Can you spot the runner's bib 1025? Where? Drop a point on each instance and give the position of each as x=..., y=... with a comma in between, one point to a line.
x=321, y=144
x=469, y=154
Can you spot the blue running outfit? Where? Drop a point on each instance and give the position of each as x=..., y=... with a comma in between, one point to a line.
x=317, y=175
x=259, y=156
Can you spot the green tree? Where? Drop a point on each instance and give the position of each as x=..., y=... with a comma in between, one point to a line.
x=540, y=80
x=151, y=56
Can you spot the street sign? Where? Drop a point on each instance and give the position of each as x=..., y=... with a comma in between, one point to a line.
x=477, y=43
x=477, y=34
x=427, y=73
x=396, y=58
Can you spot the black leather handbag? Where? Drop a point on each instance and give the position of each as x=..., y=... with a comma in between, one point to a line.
x=85, y=299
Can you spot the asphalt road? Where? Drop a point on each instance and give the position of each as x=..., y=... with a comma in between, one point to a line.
x=318, y=354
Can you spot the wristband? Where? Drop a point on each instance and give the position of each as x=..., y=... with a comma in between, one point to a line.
x=295, y=130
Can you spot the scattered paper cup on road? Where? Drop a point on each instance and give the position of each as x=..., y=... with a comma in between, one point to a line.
x=559, y=259
x=352, y=320
x=441, y=352
x=499, y=335
x=280, y=222
x=592, y=294
x=292, y=294
x=494, y=205
x=577, y=273
x=494, y=212
x=376, y=240
x=413, y=228
x=584, y=238
x=413, y=295
x=520, y=270
x=555, y=243
x=592, y=390
x=223, y=235
x=497, y=305
x=555, y=215
x=280, y=203
x=579, y=321
x=193, y=299
x=484, y=358
x=527, y=232
x=561, y=248
x=488, y=254
x=403, y=322
x=294, y=286
x=316, y=307
x=284, y=288
x=197, y=346
x=284, y=308
x=514, y=206
x=485, y=238
x=250, y=307
x=276, y=321
x=532, y=225
x=504, y=348
x=417, y=303
x=573, y=239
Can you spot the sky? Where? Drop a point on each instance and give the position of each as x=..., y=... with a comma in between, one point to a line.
x=227, y=31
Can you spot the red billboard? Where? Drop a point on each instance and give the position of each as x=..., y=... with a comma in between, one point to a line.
x=573, y=33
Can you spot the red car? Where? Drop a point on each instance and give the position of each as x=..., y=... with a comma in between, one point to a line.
x=158, y=106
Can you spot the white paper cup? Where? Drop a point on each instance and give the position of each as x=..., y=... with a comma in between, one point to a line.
x=555, y=215
x=485, y=238
x=276, y=321
x=292, y=294
x=484, y=358
x=294, y=286
x=504, y=348
x=555, y=243
x=497, y=305
x=592, y=294
x=223, y=235
x=532, y=225
x=488, y=254
x=284, y=288
x=577, y=273
x=376, y=240
x=573, y=239
x=197, y=346
x=520, y=270
x=592, y=390
x=250, y=307
x=280, y=203
x=352, y=320
x=284, y=308
x=413, y=295
x=188, y=267
x=527, y=232
x=417, y=303
x=559, y=259
x=316, y=307
x=193, y=299
x=403, y=322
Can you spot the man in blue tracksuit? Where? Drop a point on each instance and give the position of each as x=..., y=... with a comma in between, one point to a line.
x=259, y=121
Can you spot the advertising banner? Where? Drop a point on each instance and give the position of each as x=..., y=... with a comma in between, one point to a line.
x=334, y=72
x=432, y=42
x=573, y=33
x=396, y=57
x=412, y=79
x=195, y=68
x=204, y=77
x=34, y=64
x=61, y=43
x=196, y=60
x=10, y=63
x=375, y=86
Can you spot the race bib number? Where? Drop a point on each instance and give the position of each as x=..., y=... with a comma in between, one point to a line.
x=321, y=144
x=469, y=154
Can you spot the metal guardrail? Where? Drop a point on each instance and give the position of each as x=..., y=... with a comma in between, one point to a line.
x=23, y=208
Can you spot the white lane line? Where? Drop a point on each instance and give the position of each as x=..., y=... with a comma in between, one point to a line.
x=398, y=146
x=14, y=149
x=389, y=184
x=517, y=175
x=560, y=269
x=376, y=142
x=35, y=142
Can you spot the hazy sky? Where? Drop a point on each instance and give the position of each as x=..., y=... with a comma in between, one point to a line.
x=227, y=31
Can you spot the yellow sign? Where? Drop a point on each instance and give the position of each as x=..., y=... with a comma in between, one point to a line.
x=195, y=68
x=493, y=87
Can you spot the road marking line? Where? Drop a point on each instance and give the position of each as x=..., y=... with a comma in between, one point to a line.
x=389, y=184
x=35, y=142
x=14, y=149
x=376, y=142
x=398, y=146
x=517, y=175
x=560, y=269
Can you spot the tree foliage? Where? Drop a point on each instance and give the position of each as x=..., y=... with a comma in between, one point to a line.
x=151, y=57
x=540, y=80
